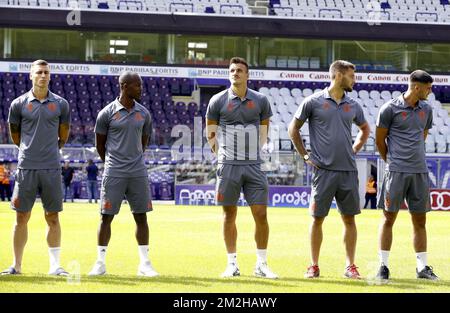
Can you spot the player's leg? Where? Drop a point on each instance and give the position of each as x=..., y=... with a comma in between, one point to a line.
x=323, y=190
x=347, y=199
x=316, y=238
x=419, y=232
x=52, y=203
x=54, y=243
x=259, y=212
x=20, y=237
x=418, y=198
x=24, y=195
x=256, y=192
x=138, y=196
x=142, y=236
x=229, y=228
x=385, y=231
x=112, y=192
x=228, y=189
x=104, y=230
x=142, y=232
x=393, y=192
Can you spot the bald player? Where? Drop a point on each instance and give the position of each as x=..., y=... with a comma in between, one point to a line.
x=122, y=130
x=39, y=123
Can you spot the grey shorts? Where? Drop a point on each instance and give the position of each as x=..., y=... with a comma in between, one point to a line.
x=31, y=182
x=231, y=179
x=398, y=187
x=135, y=189
x=342, y=185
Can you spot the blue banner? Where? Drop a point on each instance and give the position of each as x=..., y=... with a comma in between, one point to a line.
x=279, y=196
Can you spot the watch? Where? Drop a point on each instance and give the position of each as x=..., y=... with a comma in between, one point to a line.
x=306, y=157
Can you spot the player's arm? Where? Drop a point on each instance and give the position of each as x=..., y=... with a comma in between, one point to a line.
x=425, y=134
x=14, y=130
x=361, y=138
x=145, y=139
x=380, y=140
x=100, y=145
x=63, y=133
x=263, y=131
x=211, y=131
x=296, y=138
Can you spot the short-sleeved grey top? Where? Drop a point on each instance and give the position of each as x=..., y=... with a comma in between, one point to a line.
x=239, y=125
x=330, y=129
x=39, y=129
x=405, y=139
x=124, y=130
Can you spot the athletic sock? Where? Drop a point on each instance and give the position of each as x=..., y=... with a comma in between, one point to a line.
x=101, y=253
x=384, y=257
x=261, y=256
x=54, y=257
x=421, y=259
x=232, y=258
x=143, y=253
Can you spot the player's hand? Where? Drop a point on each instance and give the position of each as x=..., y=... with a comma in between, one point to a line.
x=311, y=164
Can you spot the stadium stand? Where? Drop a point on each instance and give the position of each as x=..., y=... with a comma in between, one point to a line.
x=404, y=11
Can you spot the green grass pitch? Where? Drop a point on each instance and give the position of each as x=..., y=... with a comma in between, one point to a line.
x=187, y=249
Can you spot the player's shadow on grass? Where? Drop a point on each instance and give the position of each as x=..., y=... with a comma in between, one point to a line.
x=393, y=283
x=185, y=280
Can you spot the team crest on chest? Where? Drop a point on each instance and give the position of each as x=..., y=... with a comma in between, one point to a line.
x=250, y=105
x=404, y=115
x=325, y=106
x=29, y=107
x=422, y=115
x=230, y=107
x=52, y=106
x=138, y=117
x=347, y=107
x=116, y=116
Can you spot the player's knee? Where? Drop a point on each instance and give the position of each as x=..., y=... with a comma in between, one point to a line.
x=261, y=216
x=106, y=219
x=419, y=223
x=317, y=221
x=22, y=218
x=52, y=219
x=349, y=222
x=229, y=217
x=388, y=221
x=140, y=219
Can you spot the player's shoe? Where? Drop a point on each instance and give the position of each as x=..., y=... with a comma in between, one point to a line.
x=352, y=272
x=231, y=271
x=98, y=269
x=263, y=270
x=147, y=270
x=427, y=273
x=313, y=271
x=58, y=272
x=10, y=271
x=383, y=273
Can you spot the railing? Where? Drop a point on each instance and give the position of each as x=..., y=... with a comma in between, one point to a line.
x=427, y=13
